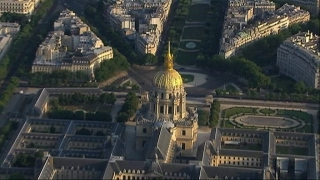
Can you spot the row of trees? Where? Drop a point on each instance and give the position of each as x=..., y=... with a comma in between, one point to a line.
x=129, y=107
x=214, y=113
x=250, y=71
x=5, y=130
x=210, y=44
x=27, y=160
x=264, y=52
x=58, y=78
x=111, y=67
x=8, y=91
x=21, y=43
x=80, y=115
x=93, y=15
x=80, y=98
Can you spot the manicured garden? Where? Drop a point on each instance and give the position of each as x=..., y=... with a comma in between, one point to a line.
x=198, y=12
x=304, y=119
x=187, y=78
x=186, y=45
x=267, y=111
x=186, y=58
x=238, y=110
x=193, y=33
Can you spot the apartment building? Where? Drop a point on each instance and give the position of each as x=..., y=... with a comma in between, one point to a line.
x=259, y=6
x=71, y=46
x=299, y=58
x=311, y=5
x=7, y=31
x=236, y=35
x=18, y=6
x=151, y=16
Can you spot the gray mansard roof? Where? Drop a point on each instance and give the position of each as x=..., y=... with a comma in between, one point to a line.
x=151, y=168
x=159, y=144
x=221, y=172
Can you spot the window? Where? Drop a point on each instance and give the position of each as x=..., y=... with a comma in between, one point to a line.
x=183, y=132
x=154, y=108
x=162, y=95
x=183, y=146
x=178, y=109
x=170, y=110
x=161, y=109
x=143, y=143
x=144, y=130
x=170, y=96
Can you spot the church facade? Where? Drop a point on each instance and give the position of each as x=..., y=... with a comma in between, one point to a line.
x=167, y=109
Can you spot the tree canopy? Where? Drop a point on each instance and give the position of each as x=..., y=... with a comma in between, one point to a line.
x=129, y=107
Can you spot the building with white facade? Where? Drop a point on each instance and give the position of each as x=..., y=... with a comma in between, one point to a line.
x=311, y=5
x=7, y=31
x=152, y=15
x=71, y=46
x=237, y=34
x=299, y=58
x=18, y=6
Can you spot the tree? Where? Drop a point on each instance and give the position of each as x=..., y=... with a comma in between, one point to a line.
x=84, y=131
x=150, y=59
x=299, y=87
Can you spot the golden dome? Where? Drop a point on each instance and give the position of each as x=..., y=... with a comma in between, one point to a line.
x=168, y=78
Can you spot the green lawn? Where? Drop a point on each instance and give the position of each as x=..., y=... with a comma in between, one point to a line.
x=306, y=117
x=203, y=117
x=187, y=78
x=306, y=129
x=186, y=58
x=193, y=33
x=183, y=44
x=292, y=150
x=228, y=124
x=238, y=110
x=198, y=12
x=267, y=111
x=89, y=107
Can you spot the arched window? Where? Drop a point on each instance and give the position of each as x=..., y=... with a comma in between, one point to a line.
x=162, y=95
x=124, y=177
x=170, y=96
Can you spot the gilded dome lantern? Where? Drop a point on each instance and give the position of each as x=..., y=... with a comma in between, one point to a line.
x=168, y=78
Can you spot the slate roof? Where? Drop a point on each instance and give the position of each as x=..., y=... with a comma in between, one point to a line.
x=159, y=144
x=229, y=172
x=118, y=148
x=88, y=164
x=151, y=168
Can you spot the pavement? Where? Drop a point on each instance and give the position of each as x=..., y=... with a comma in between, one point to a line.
x=116, y=108
x=199, y=79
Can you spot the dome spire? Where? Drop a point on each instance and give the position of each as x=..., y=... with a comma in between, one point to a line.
x=168, y=60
